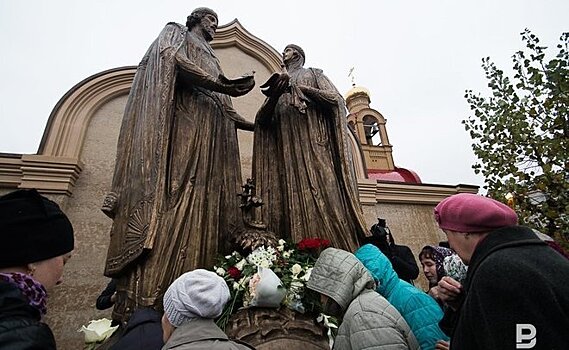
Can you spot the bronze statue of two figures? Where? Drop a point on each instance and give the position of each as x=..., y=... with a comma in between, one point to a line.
x=177, y=198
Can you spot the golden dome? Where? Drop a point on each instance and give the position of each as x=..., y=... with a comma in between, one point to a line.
x=356, y=91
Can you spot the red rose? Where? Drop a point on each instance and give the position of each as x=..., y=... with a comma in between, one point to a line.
x=234, y=272
x=313, y=243
x=304, y=244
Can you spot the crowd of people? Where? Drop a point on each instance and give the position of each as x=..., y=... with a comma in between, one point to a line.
x=494, y=285
x=496, y=281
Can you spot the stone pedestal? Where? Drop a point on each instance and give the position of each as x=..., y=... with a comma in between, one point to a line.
x=282, y=329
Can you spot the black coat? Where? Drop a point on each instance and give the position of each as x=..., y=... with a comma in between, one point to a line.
x=404, y=263
x=142, y=332
x=514, y=278
x=20, y=324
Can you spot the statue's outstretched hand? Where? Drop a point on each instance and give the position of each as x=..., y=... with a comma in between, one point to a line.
x=276, y=85
x=237, y=87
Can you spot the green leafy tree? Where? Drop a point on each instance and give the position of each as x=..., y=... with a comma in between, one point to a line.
x=521, y=135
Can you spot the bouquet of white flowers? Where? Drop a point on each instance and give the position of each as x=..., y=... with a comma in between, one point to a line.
x=271, y=277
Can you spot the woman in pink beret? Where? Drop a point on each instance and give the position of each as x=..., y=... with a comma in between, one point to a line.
x=516, y=293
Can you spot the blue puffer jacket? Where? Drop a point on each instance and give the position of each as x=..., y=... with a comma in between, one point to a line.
x=421, y=312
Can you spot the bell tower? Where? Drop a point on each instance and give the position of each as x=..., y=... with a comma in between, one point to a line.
x=369, y=127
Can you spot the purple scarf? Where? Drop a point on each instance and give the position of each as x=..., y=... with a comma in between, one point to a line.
x=33, y=290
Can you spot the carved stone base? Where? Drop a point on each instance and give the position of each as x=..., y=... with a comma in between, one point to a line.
x=282, y=329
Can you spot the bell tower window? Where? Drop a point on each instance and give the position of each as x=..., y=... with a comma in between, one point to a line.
x=371, y=129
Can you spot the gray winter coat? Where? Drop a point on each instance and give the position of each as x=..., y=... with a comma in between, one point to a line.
x=370, y=321
x=202, y=334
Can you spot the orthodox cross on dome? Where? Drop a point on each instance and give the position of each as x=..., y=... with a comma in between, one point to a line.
x=352, y=76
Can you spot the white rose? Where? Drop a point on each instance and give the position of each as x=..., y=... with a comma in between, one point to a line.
x=296, y=269
x=98, y=330
x=220, y=271
x=241, y=264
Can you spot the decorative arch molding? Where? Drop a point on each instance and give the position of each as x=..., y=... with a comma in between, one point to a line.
x=68, y=122
x=57, y=165
x=234, y=34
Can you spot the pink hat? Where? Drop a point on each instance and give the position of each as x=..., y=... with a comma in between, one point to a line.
x=466, y=212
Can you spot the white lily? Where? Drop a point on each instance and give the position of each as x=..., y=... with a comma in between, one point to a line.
x=98, y=330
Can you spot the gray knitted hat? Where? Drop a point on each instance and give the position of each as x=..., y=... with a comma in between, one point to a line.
x=195, y=294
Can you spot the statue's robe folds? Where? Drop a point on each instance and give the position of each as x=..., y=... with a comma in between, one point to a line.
x=303, y=164
x=177, y=171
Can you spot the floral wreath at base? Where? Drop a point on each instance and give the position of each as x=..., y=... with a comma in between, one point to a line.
x=274, y=277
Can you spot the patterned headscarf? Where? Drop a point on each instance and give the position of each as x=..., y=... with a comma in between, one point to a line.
x=438, y=254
